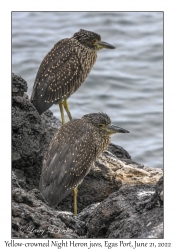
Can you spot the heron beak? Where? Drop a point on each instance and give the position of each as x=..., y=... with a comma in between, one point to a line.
x=112, y=129
x=102, y=45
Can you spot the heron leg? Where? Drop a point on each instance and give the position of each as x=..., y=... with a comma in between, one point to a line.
x=66, y=106
x=75, y=191
x=62, y=113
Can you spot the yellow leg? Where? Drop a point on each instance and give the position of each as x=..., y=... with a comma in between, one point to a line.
x=62, y=112
x=75, y=191
x=66, y=106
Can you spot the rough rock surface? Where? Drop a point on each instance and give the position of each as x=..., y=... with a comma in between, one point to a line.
x=127, y=213
x=31, y=134
x=19, y=85
x=119, y=198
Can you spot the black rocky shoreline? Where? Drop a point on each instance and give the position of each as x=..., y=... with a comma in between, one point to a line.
x=119, y=198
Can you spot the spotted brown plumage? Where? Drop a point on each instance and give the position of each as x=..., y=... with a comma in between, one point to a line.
x=72, y=152
x=65, y=68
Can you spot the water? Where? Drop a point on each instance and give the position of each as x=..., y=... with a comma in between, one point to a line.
x=126, y=83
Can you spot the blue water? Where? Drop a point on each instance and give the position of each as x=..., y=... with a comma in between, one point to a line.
x=126, y=83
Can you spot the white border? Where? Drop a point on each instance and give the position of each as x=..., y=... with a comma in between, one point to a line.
x=169, y=94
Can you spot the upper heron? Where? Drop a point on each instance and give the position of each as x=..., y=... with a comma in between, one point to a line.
x=71, y=154
x=64, y=69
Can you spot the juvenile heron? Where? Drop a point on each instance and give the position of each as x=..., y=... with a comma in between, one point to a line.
x=71, y=154
x=64, y=69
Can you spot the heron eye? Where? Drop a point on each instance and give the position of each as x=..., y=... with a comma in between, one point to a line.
x=94, y=41
x=101, y=125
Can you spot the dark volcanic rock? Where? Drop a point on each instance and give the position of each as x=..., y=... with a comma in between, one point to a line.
x=119, y=152
x=31, y=218
x=128, y=213
x=94, y=188
x=19, y=85
x=159, y=186
x=31, y=135
x=105, y=208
